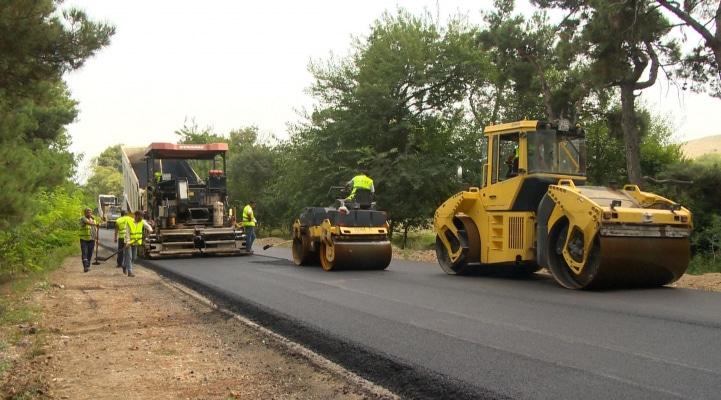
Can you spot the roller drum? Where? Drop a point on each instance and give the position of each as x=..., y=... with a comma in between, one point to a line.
x=641, y=262
x=302, y=252
x=372, y=255
x=625, y=262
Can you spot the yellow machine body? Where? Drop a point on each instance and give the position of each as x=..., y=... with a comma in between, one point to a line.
x=535, y=212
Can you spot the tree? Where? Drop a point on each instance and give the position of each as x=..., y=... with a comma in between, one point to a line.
x=37, y=45
x=605, y=155
x=703, y=63
x=391, y=108
x=605, y=160
x=253, y=168
x=104, y=180
x=107, y=174
x=111, y=158
x=701, y=195
x=33, y=148
x=192, y=133
x=537, y=70
x=626, y=44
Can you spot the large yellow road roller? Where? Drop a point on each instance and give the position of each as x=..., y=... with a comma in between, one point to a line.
x=532, y=211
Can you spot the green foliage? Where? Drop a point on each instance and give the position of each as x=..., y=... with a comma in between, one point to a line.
x=605, y=155
x=15, y=316
x=38, y=45
x=103, y=180
x=106, y=176
x=658, y=148
x=110, y=158
x=701, y=195
x=25, y=247
x=33, y=147
x=391, y=108
x=605, y=147
x=625, y=44
x=702, y=63
x=256, y=167
x=192, y=133
x=415, y=239
x=536, y=73
x=704, y=262
x=713, y=238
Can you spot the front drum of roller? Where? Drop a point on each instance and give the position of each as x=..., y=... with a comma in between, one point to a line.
x=372, y=255
x=641, y=262
x=624, y=262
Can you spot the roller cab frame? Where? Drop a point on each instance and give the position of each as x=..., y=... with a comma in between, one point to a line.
x=532, y=210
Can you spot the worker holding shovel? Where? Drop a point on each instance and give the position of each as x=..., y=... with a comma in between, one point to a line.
x=88, y=237
x=119, y=237
x=133, y=239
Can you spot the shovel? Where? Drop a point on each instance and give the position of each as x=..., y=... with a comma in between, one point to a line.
x=110, y=256
x=97, y=242
x=267, y=246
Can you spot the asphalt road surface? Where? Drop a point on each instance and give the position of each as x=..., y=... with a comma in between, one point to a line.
x=424, y=334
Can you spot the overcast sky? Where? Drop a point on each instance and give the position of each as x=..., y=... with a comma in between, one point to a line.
x=232, y=64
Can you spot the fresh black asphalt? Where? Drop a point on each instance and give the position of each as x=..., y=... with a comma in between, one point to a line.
x=427, y=335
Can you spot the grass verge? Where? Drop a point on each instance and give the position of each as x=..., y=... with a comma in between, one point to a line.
x=703, y=264
x=416, y=240
x=18, y=314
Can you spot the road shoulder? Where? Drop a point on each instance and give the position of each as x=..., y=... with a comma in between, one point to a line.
x=102, y=334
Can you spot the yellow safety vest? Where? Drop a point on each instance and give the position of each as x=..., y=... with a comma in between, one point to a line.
x=136, y=232
x=122, y=222
x=248, y=220
x=360, y=181
x=158, y=176
x=531, y=147
x=86, y=232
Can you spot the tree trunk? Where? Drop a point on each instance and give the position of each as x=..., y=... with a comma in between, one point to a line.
x=405, y=236
x=715, y=45
x=630, y=136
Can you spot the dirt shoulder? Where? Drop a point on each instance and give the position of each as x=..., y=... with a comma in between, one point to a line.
x=105, y=335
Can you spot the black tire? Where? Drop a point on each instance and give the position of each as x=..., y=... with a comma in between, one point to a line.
x=303, y=255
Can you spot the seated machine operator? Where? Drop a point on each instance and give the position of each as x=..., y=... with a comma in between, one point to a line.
x=512, y=162
x=362, y=190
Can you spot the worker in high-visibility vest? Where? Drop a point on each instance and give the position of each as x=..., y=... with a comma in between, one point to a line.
x=88, y=235
x=119, y=237
x=531, y=160
x=360, y=181
x=249, y=222
x=134, y=239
